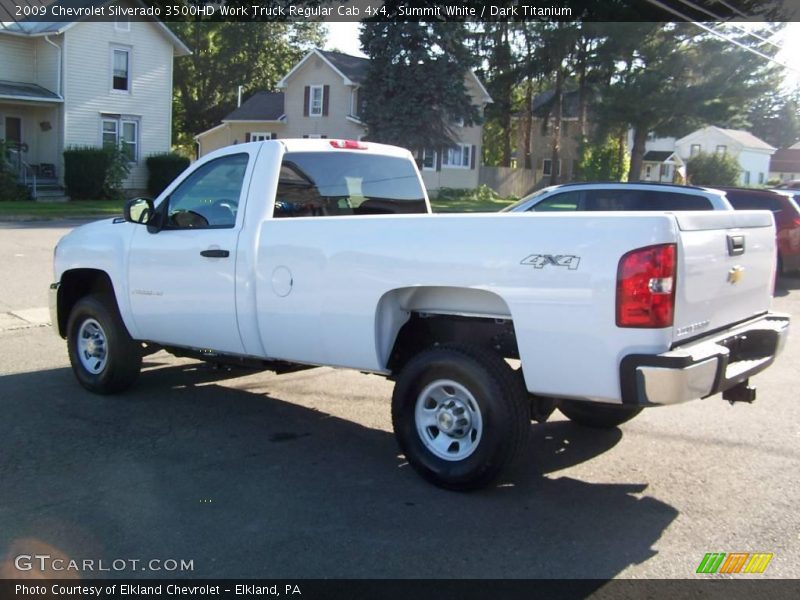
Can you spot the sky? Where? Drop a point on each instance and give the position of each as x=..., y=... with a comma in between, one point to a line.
x=344, y=37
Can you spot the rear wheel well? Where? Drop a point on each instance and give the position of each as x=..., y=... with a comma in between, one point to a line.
x=76, y=284
x=423, y=330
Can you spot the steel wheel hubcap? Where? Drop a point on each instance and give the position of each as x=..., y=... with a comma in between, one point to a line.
x=448, y=420
x=92, y=346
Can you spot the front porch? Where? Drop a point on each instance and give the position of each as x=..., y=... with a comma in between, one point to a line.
x=31, y=126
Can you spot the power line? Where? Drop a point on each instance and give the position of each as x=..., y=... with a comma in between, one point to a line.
x=722, y=36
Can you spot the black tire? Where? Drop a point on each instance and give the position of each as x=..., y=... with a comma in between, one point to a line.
x=597, y=415
x=501, y=403
x=122, y=357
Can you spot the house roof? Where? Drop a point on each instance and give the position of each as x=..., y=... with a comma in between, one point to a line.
x=785, y=160
x=352, y=67
x=58, y=24
x=261, y=106
x=795, y=146
x=542, y=104
x=17, y=90
x=657, y=155
x=745, y=138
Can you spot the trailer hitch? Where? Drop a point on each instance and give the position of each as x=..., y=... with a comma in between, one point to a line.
x=741, y=392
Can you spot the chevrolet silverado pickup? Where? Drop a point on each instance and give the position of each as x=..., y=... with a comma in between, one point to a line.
x=294, y=253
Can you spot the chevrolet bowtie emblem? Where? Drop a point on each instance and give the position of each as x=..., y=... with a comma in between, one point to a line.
x=735, y=274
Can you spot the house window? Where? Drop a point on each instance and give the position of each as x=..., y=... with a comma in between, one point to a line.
x=722, y=150
x=747, y=177
x=120, y=70
x=428, y=156
x=547, y=167
x=260, y=136
x=356, y=103
x=760, y=178
x=648, y=171
x=456, y=157
x=315, y=101
x=122, y=132
x=694, y=150
x=122, y=24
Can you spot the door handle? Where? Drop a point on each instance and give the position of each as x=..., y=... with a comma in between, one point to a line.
x=215, y=253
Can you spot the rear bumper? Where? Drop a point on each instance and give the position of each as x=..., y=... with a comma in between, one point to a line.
x=704, y=367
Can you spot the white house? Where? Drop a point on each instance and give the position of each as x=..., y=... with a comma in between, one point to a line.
x=86, y=83
x=752, y=153
x=322, y=96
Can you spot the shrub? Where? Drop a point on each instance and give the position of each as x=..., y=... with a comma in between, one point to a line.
x=162, y=169
x=483, y=193
x=713, y=169
x=10, y=189
x=600, y=161
x=91, y=173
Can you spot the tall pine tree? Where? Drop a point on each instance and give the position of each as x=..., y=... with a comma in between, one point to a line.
x=415, y=86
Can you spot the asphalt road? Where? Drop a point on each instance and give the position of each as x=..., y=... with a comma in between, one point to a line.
x=298, y=475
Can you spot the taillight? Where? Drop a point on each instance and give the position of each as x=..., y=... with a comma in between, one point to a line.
x=348, y=145
x=646, y=287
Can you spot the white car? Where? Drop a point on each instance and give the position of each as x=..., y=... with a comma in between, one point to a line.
x=301, y=252
x=621, y=197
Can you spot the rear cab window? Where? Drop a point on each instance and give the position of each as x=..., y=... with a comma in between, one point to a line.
x=330, y=184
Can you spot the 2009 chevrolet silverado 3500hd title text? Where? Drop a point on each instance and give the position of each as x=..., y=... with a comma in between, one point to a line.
x=321, y=252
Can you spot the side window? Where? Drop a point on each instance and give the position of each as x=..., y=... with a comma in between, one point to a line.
x=671, y=201
x=209, y=197
x=611, y=199
x=558, y=202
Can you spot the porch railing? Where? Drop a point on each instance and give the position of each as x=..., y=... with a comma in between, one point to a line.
x=25, y=173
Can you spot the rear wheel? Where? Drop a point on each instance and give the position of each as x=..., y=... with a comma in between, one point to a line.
x=596, y=414
x=459, y=415
x=104, y=357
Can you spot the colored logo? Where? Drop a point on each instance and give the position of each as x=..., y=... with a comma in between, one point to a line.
x=735, y=562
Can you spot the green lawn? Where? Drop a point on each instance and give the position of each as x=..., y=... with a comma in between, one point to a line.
x=60, y=210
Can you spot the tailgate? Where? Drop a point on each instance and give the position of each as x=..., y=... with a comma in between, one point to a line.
x=727, y=270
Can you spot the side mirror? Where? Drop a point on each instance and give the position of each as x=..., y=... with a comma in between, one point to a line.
x=139, y=211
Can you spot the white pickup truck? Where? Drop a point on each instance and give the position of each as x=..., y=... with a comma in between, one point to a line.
x=314, y=252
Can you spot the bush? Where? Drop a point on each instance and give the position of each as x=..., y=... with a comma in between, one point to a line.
x=713, y=169
x=10, y=189
x=162, y=169
x=601, y=161
x=482, y=193
x=91, y=173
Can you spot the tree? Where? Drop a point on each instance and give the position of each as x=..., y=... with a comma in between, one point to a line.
x=225, y=56
x=501, y=74
x=775, y=118
x=674, y=79
x=602, y=161
x=415, y=83
x=713, y=169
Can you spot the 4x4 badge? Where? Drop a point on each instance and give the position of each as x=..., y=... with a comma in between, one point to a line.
x=539, y=261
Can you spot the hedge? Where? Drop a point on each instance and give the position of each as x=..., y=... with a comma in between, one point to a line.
x=85, y=169
x=162, y=169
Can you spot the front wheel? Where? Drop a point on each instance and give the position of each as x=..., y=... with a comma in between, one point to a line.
x=459, y=415
x=597, y=415
x=104, y=357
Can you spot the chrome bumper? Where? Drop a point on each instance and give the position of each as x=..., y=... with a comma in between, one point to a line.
x=704, y=367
